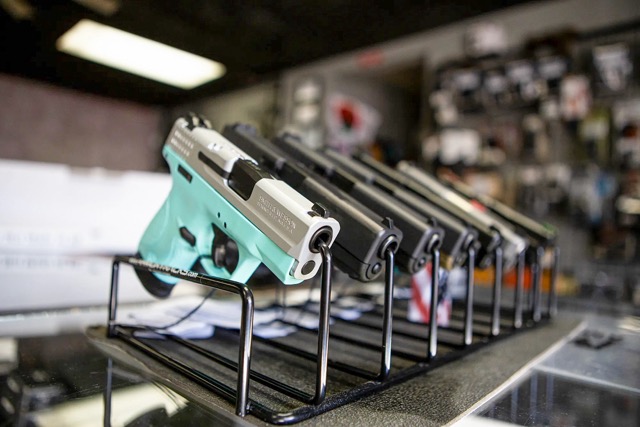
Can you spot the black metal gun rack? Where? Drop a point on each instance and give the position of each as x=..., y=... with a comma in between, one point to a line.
x=480, y=325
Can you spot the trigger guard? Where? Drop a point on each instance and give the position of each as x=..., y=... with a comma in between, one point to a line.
x=210, y=268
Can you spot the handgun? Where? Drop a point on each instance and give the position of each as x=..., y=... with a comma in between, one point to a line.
x=488, y=225
x=458, y=237
x=487, y=238
x=420, y=235
x=539, y=234
x=360, y=250
x=226, y=214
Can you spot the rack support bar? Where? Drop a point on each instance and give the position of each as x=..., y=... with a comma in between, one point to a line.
x=433, y=315
x=468, y=311
x=537, y=283
x=323, y=325
x=517, y=303
x=497, y=291
x=387, y=319
x=553, y=285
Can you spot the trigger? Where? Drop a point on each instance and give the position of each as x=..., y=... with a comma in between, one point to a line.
x=224, y=251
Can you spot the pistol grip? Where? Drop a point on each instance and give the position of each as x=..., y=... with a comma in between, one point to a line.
x=163, y=243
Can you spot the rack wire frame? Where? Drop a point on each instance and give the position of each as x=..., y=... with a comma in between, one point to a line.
x=522, y=316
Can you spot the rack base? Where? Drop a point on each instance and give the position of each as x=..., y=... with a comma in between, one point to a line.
x=284, y=372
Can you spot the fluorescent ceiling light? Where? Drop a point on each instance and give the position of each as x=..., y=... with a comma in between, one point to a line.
x=134, y=54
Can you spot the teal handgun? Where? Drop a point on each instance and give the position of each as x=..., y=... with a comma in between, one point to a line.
x=226, y=215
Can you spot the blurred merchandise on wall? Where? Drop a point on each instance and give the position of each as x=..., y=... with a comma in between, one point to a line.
x=542, y=117
x=563, y=111
x=350, y=123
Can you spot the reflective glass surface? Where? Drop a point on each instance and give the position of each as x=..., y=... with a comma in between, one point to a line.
x=592, y=380
x=65, y=381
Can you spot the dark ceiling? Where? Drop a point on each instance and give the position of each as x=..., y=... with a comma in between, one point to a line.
x=255, y=40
